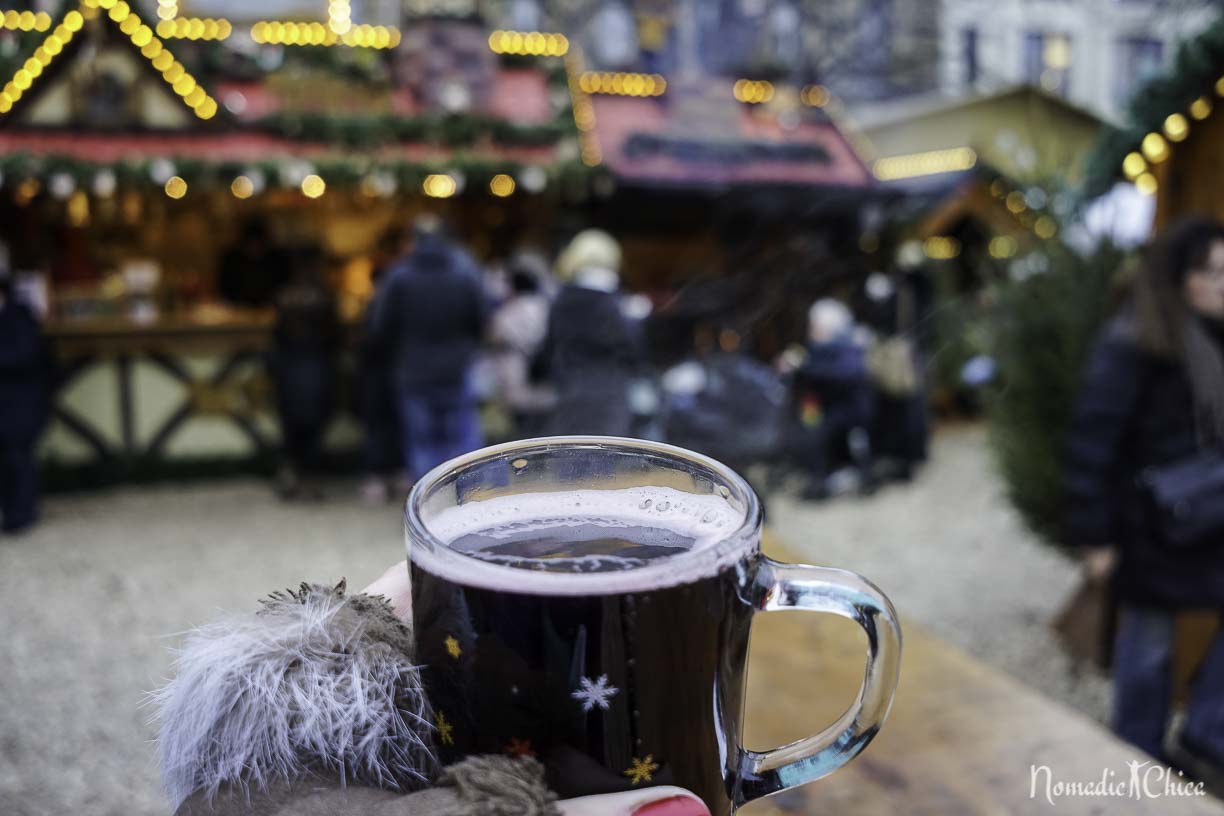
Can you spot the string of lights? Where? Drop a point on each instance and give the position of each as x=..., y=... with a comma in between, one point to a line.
x=584, y=113
x=154, y=50
x=926, y=163
x=272, y=32
x=622, y=84
x=179, y=176
x=194, y=28
x=25, y=21
x=338, y=30
x=171, y=26
x=528, y=43
x=753, y=91
x=33, y=67
x=1138, y=166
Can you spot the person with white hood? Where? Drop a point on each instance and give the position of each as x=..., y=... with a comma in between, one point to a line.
x=591, y=349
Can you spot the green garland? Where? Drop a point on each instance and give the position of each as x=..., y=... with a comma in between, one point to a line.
x=1197, y=66
x=456, y=130
x=340, y=172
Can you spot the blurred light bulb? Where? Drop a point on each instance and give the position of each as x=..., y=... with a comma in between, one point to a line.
x=313, y=186
x=176, y=187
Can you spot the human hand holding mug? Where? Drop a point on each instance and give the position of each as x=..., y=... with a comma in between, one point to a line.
x=588, y=600
x=657, y=801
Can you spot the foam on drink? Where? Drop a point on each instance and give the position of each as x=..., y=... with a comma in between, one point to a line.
x=587, y=531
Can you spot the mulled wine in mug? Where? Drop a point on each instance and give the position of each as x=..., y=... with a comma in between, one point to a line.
x=588, y=600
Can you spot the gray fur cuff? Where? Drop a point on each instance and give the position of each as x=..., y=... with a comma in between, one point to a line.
x=317, y=681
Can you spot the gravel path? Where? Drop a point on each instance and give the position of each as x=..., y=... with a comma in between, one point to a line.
x=952, y=554
x=91, y=600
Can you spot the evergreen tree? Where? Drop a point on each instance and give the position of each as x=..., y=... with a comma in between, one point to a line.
x=1042, y=330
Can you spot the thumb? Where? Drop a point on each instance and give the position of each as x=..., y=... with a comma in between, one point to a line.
x=393, y=585
x=660, y=801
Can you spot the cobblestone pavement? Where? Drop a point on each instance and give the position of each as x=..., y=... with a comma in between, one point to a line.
x=92, y=600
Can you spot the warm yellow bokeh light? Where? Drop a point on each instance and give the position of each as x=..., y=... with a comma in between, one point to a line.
x=1133, y=165
x=1155, y=148
x=176, y=187
x=1176, y=127
x=439, y=185
x=501, y=185
x=313, y=186
x=242, y=187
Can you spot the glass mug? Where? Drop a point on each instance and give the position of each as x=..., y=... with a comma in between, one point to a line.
x=588, y=600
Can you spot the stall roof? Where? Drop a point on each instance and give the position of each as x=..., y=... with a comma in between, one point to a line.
x=698, y=138
x=1023, y=132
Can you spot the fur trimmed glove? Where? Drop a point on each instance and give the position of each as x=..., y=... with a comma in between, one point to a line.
x=313, y=706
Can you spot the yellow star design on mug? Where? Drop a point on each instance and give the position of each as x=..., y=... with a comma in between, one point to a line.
x=642, y=769
x=445, y=730
x=452, y=646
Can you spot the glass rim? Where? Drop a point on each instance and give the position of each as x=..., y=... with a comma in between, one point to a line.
x=470, y=571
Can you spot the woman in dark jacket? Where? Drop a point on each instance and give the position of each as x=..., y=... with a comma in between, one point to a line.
x=591, y=349
x=1153, y=393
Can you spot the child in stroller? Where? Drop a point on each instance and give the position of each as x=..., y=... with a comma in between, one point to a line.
x=831, y=404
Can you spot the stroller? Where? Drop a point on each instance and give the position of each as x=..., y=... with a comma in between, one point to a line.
x=831, y=408
x=726, y=405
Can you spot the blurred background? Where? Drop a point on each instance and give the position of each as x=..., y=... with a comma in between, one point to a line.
x=265, y=264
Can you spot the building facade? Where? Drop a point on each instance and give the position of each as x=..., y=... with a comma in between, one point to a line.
x=1094, y=53
x=861, y=49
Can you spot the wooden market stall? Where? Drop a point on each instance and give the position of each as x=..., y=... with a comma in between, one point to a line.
x=992, y=175
x=136, y=160
x=737, y=202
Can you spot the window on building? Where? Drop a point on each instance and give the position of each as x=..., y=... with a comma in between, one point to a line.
x=969, y=55
x=1139, y=59
x=1047, y=61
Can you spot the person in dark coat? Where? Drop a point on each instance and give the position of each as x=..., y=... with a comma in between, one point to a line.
x=591, y=349
x=253, y=270
x=382, y=452
x=431, y=320
x=833, y=398
x=1152, y=393
x=895, y=307
x=24, y=368
x=303, y=360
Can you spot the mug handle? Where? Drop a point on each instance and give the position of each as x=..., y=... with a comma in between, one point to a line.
x=775, y=586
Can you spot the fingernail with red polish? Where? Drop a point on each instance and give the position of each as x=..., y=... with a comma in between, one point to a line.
x=675, y=806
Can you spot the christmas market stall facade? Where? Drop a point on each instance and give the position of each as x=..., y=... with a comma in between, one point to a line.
x=151, y=166
x=140, y=158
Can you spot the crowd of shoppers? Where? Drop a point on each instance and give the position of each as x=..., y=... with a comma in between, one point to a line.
x=560, y=363
x=565, y=353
